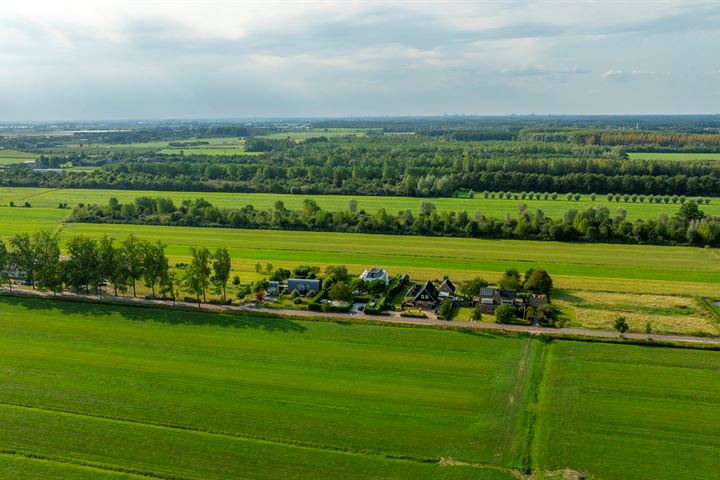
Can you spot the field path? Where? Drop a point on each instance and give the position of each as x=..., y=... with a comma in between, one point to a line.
x=390, y=317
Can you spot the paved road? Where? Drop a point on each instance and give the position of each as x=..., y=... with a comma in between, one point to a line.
x=391, y=317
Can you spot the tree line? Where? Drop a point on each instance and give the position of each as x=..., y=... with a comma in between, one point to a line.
x=381, y=165
x=92, y=264
x=690, y=226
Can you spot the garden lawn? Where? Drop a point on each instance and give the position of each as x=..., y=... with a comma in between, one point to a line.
x=201, y=395
x=621, y=411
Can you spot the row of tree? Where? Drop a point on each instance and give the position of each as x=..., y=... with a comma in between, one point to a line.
x=690, y=226
x=91, y=264
x=390, y=165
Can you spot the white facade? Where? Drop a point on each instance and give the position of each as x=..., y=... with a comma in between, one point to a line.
x=375, y=273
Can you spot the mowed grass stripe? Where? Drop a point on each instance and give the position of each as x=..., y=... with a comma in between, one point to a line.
x=29, y=466
x=164, y=453
x=398, y=392
x=614, y=409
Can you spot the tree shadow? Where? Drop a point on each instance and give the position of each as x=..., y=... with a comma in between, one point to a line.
x=142, y=313
x=559, y=294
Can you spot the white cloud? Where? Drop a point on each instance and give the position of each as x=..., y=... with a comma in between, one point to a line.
x=218, y=58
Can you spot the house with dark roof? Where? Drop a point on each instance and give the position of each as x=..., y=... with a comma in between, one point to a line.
x=422, y=296
x=446, y=289
x=303, y=285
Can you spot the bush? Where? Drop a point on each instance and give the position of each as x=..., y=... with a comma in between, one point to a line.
x=297, y=301
x=504, y=314
x=295, y=293
x=315, y=307
x=445, y=310
x=412, y=314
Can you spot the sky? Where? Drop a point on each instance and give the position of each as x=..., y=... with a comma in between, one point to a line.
x=82, y=60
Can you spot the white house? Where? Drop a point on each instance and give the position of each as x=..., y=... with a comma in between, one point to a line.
x=375, y=273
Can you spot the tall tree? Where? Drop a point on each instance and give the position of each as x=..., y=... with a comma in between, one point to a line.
x=155, y=263
x=222, y=264
x=131, y=252
x=23, y=256
x=49, y=273
x=82, y=264
x=107, y=261
x=539, y=282
x=197, y=276
x=4, y=264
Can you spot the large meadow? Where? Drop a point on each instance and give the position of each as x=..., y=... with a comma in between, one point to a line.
x=100, y=391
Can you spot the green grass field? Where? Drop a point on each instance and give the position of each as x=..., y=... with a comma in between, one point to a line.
x=488, y=207
x=683, y=157
x=216, y=146
x=99, y=391
x=199, y=395
x=13, y=156
x=317, y=132
x=624, y=412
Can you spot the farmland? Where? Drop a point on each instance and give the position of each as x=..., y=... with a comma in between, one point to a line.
x=256, y=397
x=279, y=398
x=13, y=156
x=493, y=207
x=675, y=156
x=214, y=146
x=630, y=412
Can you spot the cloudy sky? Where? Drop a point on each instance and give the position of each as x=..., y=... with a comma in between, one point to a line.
x=181, y=59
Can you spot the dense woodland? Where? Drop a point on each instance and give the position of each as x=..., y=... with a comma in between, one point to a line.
x=690, y=226
x=382, y=165
x=411, y=157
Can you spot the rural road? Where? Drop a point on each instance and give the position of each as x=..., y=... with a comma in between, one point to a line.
x=392, y=317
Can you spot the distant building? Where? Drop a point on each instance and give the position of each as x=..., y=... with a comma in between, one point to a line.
x=303, y=285
x=375, y=273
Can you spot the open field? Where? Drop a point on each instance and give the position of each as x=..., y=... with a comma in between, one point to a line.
x=664, y=313
x=622, y=412
x=259, y=398
x=316, y=132
x=216, y=146
x=86, y=389
x=488, y=207
x=683, y=157
x=13, y=156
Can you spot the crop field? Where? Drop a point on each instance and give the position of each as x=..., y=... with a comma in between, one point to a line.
x=316, y=132
x=13, y=156
x=86, y=390
x=215, y=146
x=196, y=395
x=489, y=207
x=679, y=156
x=622, y=412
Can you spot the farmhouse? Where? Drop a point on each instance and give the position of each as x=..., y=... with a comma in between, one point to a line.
x=446, y=289
x=425, y=296
x=491, y=298
x=375, y=273
x=303, y=285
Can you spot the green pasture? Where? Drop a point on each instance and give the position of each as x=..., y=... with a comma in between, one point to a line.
x=14, y=156
x=677, y=156
x=216, y=146
x=316, y=132
x=428, y=257
x=600, y=267
x=489, y=207
x=200, y=395
x=623, y=412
